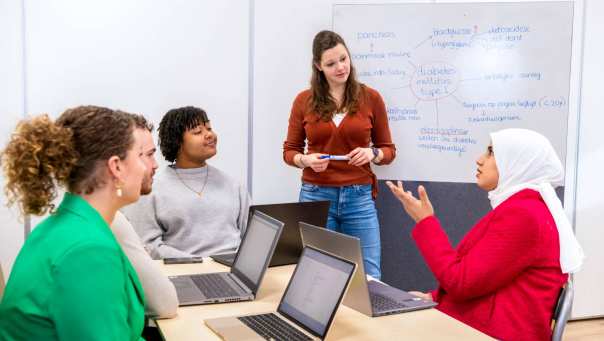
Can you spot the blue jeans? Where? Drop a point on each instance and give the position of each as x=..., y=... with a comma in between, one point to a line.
x=352, y=211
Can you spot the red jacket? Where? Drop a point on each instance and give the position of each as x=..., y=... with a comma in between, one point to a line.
x=504, y=277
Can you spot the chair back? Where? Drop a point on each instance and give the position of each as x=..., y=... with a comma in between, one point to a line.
x=1, y=282
x=562, y=310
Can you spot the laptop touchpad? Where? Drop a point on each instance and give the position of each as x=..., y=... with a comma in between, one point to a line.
x=186, y=290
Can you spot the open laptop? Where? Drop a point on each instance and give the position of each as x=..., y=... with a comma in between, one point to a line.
x=372, y=298
x=243, y=282
x=306, y=310
x=290, y=245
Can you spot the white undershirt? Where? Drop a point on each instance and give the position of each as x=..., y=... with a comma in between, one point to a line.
x=338, y=117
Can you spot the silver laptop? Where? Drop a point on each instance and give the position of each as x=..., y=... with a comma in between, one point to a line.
x=242, y=282
x=306, y=310
x=372, y=298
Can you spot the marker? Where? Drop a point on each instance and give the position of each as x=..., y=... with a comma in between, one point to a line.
x=335, y=157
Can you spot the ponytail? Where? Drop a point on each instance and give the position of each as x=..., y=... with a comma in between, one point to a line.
x=39, y=156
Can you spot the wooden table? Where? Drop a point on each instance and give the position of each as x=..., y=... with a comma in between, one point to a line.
x=349, y=324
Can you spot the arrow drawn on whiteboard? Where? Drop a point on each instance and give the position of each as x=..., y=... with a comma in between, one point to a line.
x=414, y=66
x=423, y=41
x=457, y=99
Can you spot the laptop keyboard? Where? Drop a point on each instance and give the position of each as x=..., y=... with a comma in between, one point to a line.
x=271, y=327
x=383, y=303
x=214, y=285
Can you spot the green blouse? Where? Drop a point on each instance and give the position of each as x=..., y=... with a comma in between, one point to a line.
x=72, y=281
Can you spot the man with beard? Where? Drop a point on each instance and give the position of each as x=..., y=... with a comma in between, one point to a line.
x=160, y=294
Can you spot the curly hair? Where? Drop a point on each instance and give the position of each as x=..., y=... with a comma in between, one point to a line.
x=321, y=102
x=70, y=151
x=173, y=126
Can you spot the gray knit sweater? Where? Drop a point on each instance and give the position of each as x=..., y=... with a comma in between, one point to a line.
x=160, y=295
x=174, y=221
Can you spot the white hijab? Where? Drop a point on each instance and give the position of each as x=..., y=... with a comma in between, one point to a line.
x=526, y=159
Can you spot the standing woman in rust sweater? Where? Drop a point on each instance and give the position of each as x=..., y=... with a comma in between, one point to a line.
x=340, y=116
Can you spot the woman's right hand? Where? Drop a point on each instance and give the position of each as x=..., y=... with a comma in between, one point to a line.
x=313, y=161
x=417, y=209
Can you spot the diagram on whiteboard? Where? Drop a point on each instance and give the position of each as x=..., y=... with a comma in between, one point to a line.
x=451, y=73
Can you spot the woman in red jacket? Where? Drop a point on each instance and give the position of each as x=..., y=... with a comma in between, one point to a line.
x=505, y=276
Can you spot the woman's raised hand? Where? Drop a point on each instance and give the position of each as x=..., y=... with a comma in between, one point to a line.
x=417, y=209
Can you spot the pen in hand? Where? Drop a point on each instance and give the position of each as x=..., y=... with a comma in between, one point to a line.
x=335, y=157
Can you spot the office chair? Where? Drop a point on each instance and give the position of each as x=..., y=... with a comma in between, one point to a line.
x=562, y=310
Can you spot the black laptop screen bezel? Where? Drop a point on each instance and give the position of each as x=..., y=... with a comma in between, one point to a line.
x=333, y=313
x=248, y=282
x=290, y=245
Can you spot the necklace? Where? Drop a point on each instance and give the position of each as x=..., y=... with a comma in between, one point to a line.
x=189, y=187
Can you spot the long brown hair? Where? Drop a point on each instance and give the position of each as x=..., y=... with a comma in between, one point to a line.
x=42, y=153
x=321, y=102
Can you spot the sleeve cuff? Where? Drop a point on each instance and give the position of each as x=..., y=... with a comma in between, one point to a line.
x=425, y=228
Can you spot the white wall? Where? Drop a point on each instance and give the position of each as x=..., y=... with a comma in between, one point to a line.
x=11, y=109
x=145, y=57
x=589, y=296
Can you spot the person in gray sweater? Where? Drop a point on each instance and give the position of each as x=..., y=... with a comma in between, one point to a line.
x=160, y=295
x=195, y=209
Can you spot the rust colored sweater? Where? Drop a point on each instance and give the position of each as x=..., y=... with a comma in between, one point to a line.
x=367, y=127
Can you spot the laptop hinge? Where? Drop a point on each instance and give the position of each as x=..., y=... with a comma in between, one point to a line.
x=240, y=283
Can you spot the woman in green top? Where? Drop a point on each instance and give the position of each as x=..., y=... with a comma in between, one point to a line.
x=71, y=280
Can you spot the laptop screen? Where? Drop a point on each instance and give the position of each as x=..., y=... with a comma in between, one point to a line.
x=256, y=248
x=289, y=247
x=315, y=290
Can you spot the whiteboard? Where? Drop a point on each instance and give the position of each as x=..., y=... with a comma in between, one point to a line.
x=450, y=73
